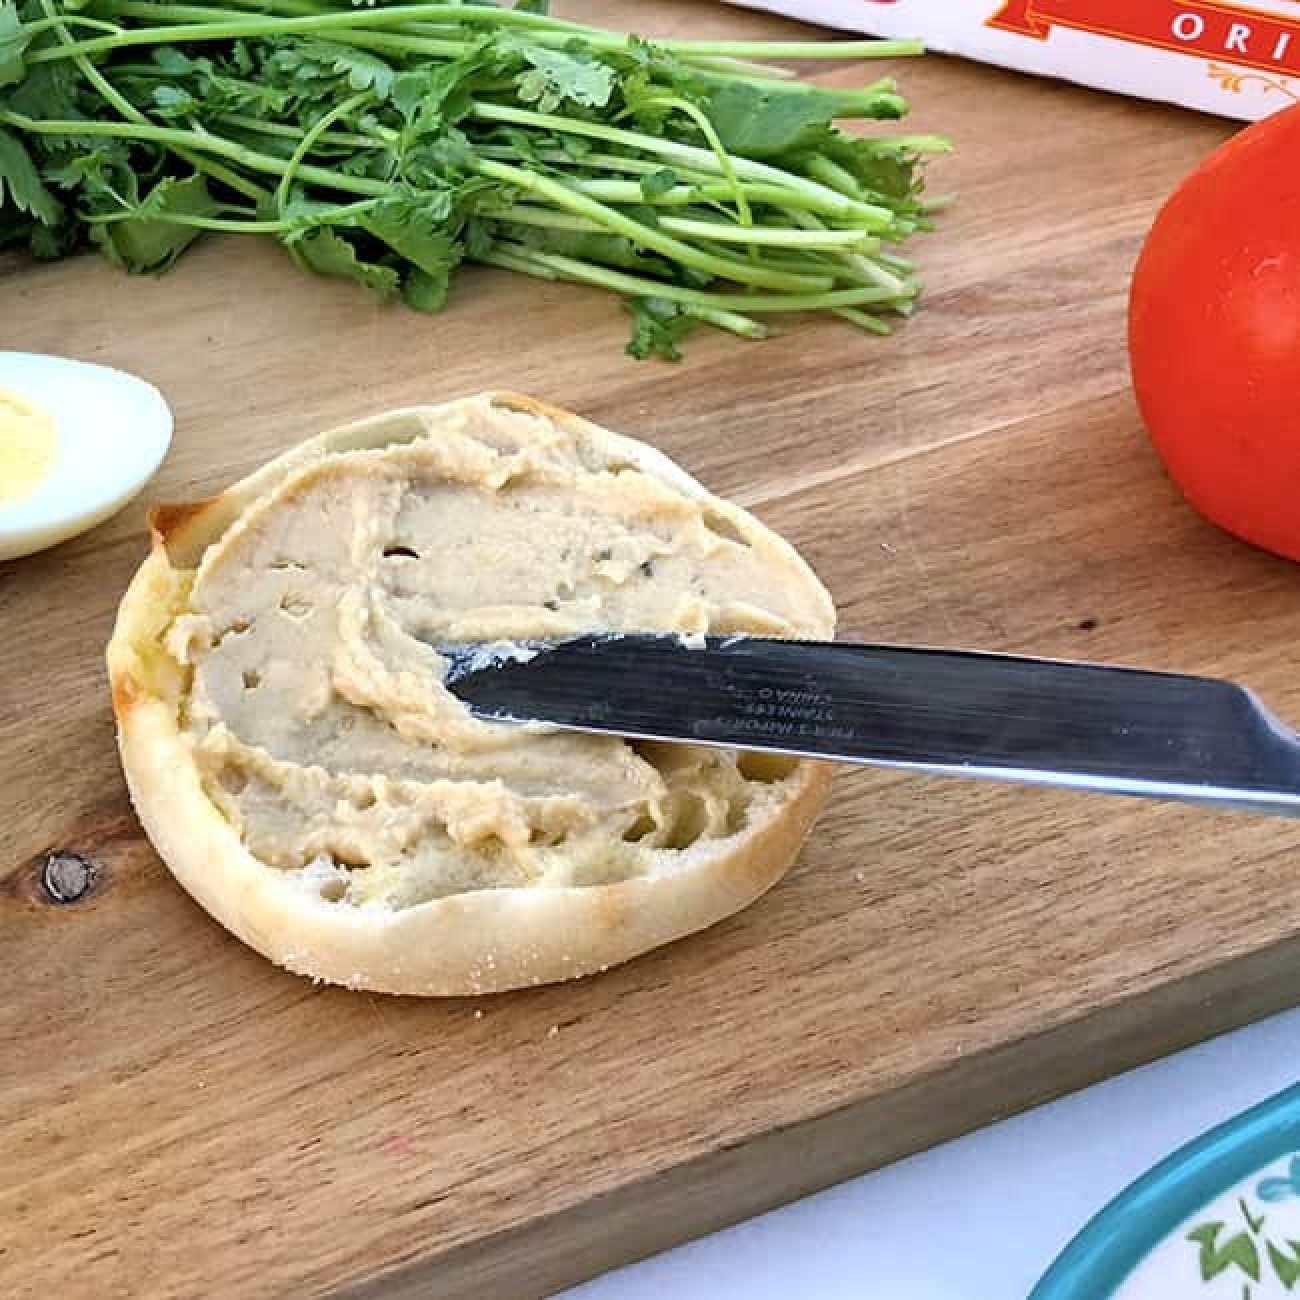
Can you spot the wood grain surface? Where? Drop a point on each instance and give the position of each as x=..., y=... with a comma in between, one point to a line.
x=179, y=1118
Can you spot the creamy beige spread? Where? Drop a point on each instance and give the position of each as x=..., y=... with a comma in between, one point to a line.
x=315, y=706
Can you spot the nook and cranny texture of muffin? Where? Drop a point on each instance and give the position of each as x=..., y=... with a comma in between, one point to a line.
x=315, y=707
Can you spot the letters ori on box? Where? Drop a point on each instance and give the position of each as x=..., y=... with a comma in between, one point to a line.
x=1235, y=60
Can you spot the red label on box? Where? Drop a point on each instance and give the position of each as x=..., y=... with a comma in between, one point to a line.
x=1229, y=32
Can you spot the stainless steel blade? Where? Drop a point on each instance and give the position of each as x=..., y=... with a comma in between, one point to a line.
x=1090, y=726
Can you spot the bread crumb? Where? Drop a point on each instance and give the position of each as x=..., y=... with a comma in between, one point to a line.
x=552, y=1031
x=859, y=876
x=478, y=1015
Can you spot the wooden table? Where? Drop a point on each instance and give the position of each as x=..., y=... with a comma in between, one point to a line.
x=178, y=1118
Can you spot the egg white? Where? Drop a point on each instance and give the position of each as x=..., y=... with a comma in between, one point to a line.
x=113, y=430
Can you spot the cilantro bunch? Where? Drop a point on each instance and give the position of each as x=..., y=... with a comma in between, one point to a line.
x=388, y=143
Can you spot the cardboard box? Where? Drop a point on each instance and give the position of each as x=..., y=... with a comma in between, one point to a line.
x=1231, y=59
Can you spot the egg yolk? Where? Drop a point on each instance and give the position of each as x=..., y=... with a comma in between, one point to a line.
x=27, y=445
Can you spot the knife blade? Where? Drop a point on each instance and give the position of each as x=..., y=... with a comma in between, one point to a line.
x=1002, y=717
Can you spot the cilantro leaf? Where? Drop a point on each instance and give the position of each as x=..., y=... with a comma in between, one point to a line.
x=761, y=123
x=657, y=327
x=414, y=227
x=478, y=238
x=365, y=71
x=885, y=175
x=173, y=101
x=172, y=61
x=21, y=184
x=425, y=291
x=316, y=61
x=326, y=252
x=101, y=171
x=148, y=240
x=47, y=90
x=408, y=91
x=13, y=44
x=557, y=76
x=658, y=183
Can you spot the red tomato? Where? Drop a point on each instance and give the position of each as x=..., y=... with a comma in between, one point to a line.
x=1214, y=335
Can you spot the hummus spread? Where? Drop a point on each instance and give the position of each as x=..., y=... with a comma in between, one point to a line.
x=315, y=710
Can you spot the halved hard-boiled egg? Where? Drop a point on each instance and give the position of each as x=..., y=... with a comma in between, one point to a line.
x=77, y=442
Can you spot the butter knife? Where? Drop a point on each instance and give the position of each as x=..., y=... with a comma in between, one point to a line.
x=1001, y=717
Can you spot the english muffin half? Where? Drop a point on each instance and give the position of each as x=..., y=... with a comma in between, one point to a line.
x=299, y=766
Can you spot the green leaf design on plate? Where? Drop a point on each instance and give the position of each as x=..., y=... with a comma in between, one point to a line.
x=1287, y=1267
x=1237, y=1252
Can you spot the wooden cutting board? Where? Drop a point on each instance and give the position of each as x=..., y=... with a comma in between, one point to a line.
x=179, y=1118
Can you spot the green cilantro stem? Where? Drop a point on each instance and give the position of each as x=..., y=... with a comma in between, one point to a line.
x=760, y=236
x=241, y=225
x=912, y=144
x=338, y=139
x=523, y=214
x=764, y=236
x=940, y=203
x=191, y=140
x=233, y=29
x=863, y=320
x=690, y=155
x=354, y=33
x=869, y=270
x=720, y=154
x=520, y=257
x=834, y=177
x=62, y=21
x=704, y=187
x=310, y=137
x=873, y=49
x=630, y=192
x=733, y=321
x=541, y=25
x=619, y=222
x=456, y=14
x=896, y=263
x=255, y=25
x=701, y=184
x=747, y=70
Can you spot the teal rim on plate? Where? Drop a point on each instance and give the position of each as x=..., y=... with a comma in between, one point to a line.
x=1121, y=1236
